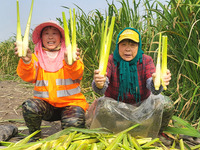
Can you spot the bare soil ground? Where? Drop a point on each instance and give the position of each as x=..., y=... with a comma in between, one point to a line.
x=12, y=95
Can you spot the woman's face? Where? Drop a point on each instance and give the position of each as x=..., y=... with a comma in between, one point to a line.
x=51, y=37
x=128, y=49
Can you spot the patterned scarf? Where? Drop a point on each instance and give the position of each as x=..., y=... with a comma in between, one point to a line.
x=128, y=71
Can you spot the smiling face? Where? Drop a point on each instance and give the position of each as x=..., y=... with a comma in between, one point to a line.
x=51, y=37
x=128, y=49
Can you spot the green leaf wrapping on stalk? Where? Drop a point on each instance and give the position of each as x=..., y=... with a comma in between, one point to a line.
x=120, y=136
x=74, y=36
x=87, y=141
x=73, y=146
x=90, y=131
x=46, y=145
x=58, y=142
x=34, y=147
x=68, y=140
x=94, y=146
x=5, y=143
x=114, y=144
x=26, y=34
x=102, y=50
x=25, y=140
x=143, y=140
x=164, y=59
x=124, y=147
x=67, y=40
x=151, y=142
x=60, y=148
x=82, y=137
x=104, y=141
x=105, y=46
x=72, y=129
x=134, y=142
x=130, y=128
x=157, y=81
x=181, y=144
x=78, y=134
x=82, y=146
x=23, y=146
x=19, y=34
x=101, y=146
x=125, y=141
x=102, y=41
x=130, y=141
x=71, y=46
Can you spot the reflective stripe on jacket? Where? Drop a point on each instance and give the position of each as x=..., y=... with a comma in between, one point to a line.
x=61, y=88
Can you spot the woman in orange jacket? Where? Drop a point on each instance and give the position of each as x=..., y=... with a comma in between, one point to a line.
x=57, y=93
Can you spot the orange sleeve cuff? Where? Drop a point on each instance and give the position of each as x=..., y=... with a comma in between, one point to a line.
x=26, y=72
x=76, y=69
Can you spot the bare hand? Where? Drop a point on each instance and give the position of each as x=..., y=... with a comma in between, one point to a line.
x=77, y=55
x=99, y=79
x=166, y=77
x=26, y=58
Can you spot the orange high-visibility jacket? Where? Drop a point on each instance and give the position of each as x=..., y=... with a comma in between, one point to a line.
x=61, y=88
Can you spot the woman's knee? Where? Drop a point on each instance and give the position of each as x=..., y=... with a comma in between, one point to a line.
x=73, y=116
x=35, y=106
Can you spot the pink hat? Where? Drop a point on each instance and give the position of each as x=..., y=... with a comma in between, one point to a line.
x=36, y=36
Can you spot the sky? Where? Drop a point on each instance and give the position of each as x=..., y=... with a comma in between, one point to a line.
x=43, y=10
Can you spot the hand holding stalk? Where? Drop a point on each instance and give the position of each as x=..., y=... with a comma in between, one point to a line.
x=162, y=76
x=27, y=58
x=71, y=54
x=164, y=60
x=166, y=78
x=22, y=45
x=77, y=55
x=157, y=79
x=99, y=79
x=106, y=39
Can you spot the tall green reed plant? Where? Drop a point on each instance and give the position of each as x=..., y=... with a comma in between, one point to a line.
x=8, y=61
x=180, y=21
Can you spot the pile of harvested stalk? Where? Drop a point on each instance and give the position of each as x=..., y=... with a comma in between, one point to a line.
x=85, y=139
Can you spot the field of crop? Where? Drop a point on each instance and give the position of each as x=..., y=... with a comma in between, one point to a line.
x=179, y=20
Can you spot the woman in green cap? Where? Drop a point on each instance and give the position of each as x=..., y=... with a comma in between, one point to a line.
x=130, y=74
